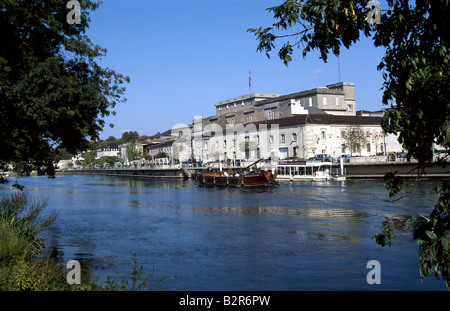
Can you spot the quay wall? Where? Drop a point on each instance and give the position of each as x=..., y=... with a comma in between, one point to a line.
x=353, y=170
x=404, y=169
x=148, y=173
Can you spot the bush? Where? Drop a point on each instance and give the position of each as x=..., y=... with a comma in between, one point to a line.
x=137, y=282
x=14, y=245
x=21, y=267
x=23, y=213
x=20, y=222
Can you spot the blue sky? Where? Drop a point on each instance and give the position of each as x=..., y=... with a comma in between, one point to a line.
x=184, y=56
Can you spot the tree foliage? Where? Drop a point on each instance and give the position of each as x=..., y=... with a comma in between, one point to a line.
x=108, y=160
x=129, y=136
x=416, y=86
x=133, y=152
x=354, y=139
x=53, y=94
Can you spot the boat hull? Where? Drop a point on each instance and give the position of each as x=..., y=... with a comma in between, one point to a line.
x=262, y=179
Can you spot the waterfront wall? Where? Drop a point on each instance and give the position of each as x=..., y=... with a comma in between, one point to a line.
x=149, y=173
x=404, y=169
x=354, y=170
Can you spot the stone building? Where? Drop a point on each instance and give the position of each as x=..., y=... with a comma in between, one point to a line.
x=111, y=150
x=336, y=99
x=175, y=143
x=300, y=125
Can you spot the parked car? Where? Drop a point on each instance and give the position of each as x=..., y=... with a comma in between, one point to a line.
x=345, y=157
x=403, y=155
x=239, y=162
x=187, y=163
x=323, y=157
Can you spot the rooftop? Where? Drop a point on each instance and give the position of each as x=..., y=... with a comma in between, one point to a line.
x=321, y=119
x=247, y=96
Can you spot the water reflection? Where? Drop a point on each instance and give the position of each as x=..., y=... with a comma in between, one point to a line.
x=328, y=213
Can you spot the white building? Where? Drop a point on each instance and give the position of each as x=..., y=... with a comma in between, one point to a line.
x=301, y=136
x=112, y=150
x=296, y=125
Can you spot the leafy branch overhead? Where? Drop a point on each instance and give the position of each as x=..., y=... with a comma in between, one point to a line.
x=416, y=88
x=321, y=25
x=53, y=93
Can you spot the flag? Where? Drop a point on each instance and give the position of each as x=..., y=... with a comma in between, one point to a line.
x=249, y=78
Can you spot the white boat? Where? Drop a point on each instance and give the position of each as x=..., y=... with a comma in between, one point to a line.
x=307, y=171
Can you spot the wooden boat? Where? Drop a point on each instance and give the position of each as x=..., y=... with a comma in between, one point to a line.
x=263, y=178
x=252, y=178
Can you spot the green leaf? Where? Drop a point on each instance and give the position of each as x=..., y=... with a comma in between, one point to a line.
x=431, y=235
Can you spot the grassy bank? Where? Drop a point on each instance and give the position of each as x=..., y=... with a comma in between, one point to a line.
x=24, y=265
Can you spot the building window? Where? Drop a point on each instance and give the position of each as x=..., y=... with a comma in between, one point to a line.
x=349, y=108
x=230, y=120
x=271, y=139
x=323, y=134
x=225, y=143
x=270, y=114
x=250, y=117
x=337, y=101
x=294, y=136
x=283, y=138
x=310, y=102
x=368, y=147
x=324, y=101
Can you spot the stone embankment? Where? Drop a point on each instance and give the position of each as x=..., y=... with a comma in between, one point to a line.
x=353, y=171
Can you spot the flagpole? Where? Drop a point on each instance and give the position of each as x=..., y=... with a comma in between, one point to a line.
x=249, y=81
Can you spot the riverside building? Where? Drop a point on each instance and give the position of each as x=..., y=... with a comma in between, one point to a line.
x=298, y=125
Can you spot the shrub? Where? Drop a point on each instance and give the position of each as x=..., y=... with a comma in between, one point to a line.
x=24, y=214
x=14, y=245
x=137, y=282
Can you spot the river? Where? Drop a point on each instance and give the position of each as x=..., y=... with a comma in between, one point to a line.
x=297, y=236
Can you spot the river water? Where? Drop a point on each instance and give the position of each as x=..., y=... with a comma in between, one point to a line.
x=297, y=236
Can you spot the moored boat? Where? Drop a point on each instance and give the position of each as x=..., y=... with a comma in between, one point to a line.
x=307, y=171
x=248, y=177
